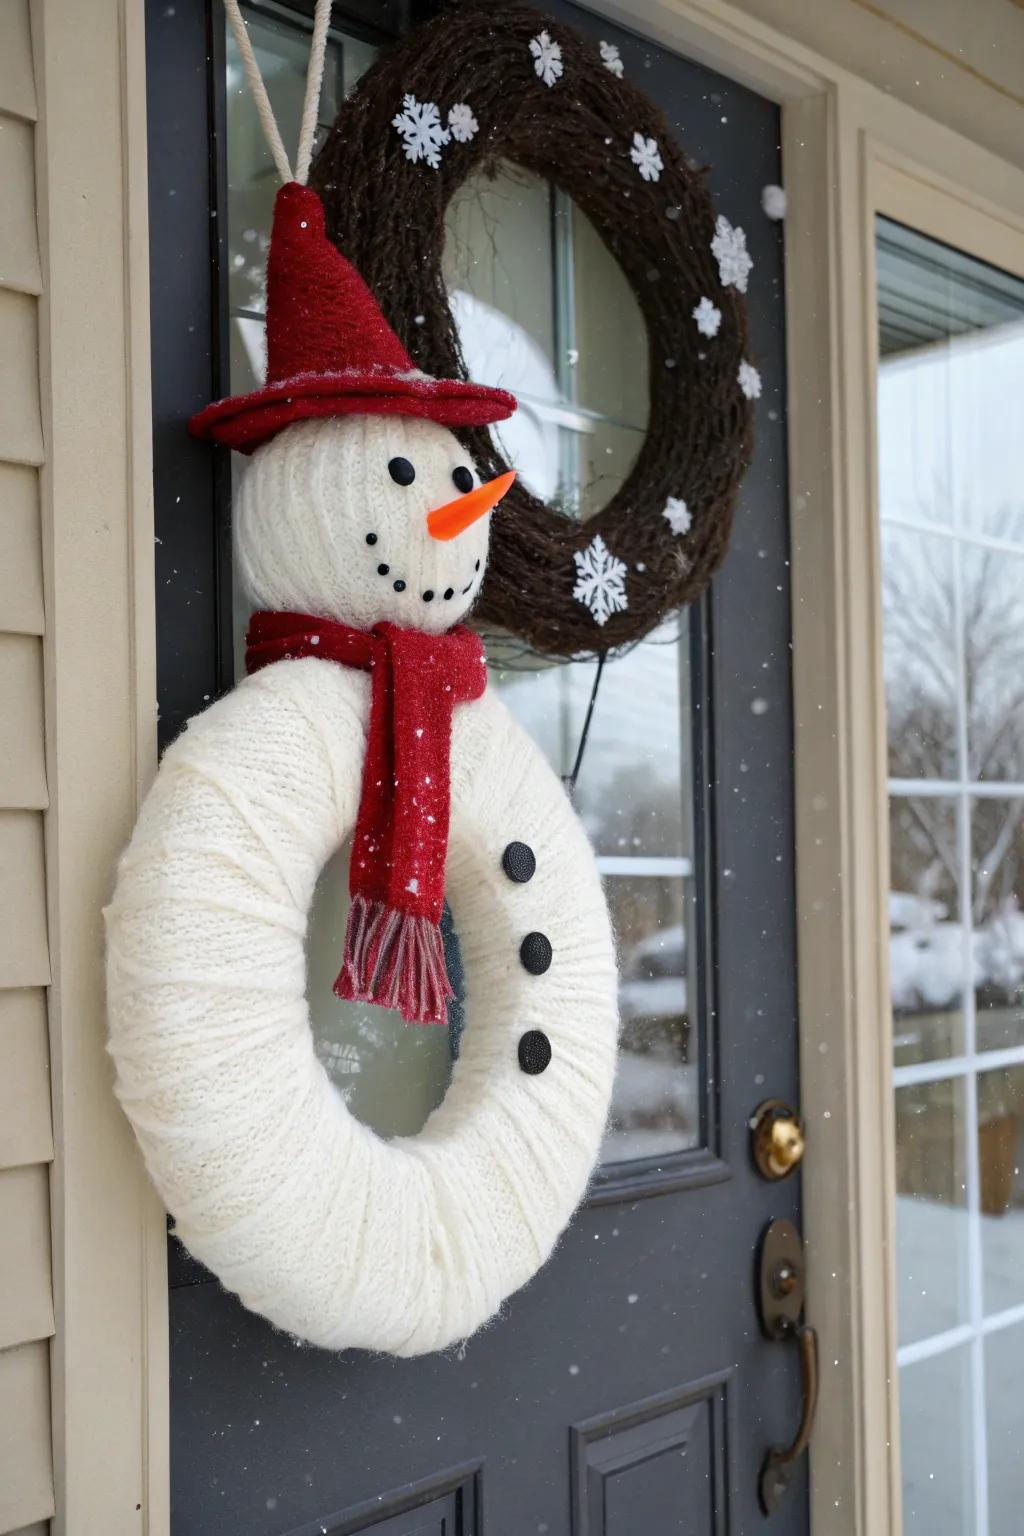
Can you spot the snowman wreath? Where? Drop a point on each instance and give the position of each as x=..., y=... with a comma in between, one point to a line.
x=485, y=85
x=362, y=531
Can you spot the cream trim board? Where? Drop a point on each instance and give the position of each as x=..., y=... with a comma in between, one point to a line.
x=839, y=741
x=937, y=206
x=109, y=1352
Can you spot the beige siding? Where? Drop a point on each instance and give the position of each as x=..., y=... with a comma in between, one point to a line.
x=26, y=1482
x=25, y=1132
x=17, y=77
x=21, y=568
x=19, y=248
x=26, y=1136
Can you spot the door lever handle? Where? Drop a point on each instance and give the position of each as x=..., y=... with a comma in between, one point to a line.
x=778, y=1466
x=780, y=1304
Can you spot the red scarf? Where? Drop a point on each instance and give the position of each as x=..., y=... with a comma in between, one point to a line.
x=394, y=954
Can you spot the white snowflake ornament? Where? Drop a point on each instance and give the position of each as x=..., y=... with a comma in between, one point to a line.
x=708, y=317
x=749, y=380
x=677, y=514
x=423, y=133
x=547, y=57
x=600, y=580
x=611, y=59
x=729, y=248
x=773, y=201
x=462, y=125
x=646, y=156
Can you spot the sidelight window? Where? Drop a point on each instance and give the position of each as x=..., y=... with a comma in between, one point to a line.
x=951, y=345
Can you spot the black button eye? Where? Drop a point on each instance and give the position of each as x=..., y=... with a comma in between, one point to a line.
x=401, y=472
x=463, y=479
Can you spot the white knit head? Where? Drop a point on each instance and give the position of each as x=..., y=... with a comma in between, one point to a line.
x=323, y=526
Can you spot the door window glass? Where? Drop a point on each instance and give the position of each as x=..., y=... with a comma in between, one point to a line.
x=542, y=309
x=951, y=347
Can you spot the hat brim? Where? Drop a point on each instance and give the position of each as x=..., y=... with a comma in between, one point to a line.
x=243, y=422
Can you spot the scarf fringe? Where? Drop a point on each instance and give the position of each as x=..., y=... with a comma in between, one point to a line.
x=395, y=960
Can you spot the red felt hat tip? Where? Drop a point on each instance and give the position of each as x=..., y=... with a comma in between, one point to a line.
x=330, y=351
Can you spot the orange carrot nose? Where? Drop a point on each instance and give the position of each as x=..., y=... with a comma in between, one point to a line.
x=454, y=517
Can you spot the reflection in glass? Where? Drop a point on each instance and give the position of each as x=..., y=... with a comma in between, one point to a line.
x=1001, y=1186
x=543, y=309
x=390, y=1074
x=937, y=1446
x=926, y=935
x=634, y=796
x=1004, y=1372
x=919, y=655
x=997, y=874
x=992, y=584
x=656, y=1104
x=931, y=1208
x=633, y=793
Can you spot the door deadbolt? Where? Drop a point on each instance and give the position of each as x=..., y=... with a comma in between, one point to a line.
x=780, y=1301
x=777, y=1139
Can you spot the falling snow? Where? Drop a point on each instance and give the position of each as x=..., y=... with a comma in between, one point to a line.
x=708, y=317
x=611, y=59
x=462, y=125
x=729, y=248
x=600, y=580
x=677, y=514
x=773, y=201
x=547, y=57
x=646, y=156
x=423, y=134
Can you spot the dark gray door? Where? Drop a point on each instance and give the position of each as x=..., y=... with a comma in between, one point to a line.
x=627, y=1391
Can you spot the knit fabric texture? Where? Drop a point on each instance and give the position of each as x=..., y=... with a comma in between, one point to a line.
x=322, y=527
x=332, y=1233
x=394, y=954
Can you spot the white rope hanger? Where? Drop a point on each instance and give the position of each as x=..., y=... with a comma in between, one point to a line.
x=311, y=103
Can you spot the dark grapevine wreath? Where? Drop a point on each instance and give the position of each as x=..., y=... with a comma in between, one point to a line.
x=483, y=85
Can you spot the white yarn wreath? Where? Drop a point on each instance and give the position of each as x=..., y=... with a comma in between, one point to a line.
x=334, y=1234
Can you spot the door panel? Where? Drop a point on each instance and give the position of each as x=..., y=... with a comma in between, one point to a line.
x=657, y=1465
x=627, y=1388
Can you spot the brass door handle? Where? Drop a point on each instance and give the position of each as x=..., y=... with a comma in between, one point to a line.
x=780, y=1301
x=780, y=1461
x=777, y=1139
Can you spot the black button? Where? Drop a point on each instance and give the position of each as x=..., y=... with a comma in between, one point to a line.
x=535, y=952
x=399, y=586
x=534, y=1051
x=519, y=862
x=371, y=538
x=428, y=596
x=401, y=471
x=382, y=570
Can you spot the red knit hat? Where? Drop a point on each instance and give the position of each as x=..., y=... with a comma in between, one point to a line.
x=330, y=351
